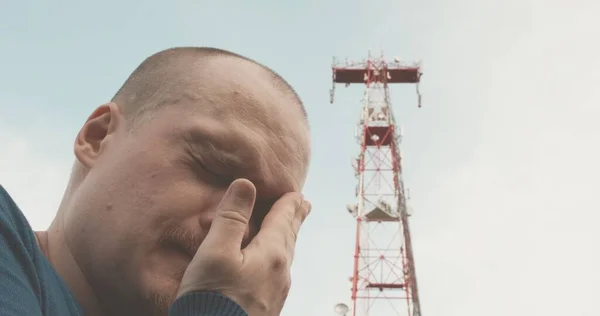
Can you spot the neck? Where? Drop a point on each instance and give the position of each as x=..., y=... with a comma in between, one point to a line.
x=53, y=245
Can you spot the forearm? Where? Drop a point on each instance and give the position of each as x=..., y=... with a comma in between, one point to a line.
x=205, y=304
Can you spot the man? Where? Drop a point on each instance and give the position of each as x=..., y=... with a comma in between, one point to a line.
x=183, y=199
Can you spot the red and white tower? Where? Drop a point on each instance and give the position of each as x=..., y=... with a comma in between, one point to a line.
x=384, y=279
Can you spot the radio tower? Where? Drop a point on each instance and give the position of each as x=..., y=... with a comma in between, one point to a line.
x=384, y=279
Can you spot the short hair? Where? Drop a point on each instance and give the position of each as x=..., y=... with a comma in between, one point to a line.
x=154, y=82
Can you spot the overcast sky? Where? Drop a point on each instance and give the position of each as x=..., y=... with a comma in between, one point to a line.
x=502, y=160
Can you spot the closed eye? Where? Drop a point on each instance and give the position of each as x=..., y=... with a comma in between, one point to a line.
x=207, y=174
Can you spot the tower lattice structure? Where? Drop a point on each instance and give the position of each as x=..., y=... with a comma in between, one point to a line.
x=384, y=278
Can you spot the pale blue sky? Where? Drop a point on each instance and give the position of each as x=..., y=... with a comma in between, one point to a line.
x=501, y=160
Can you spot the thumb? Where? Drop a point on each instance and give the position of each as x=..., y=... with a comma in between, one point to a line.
x=233, y=215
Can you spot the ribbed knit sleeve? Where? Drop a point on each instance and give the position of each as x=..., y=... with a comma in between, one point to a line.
x=205, y=304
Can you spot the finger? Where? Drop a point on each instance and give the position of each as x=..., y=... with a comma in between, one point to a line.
x=280, y=215
x=297, y=221
x=299, y=217
x=232, y=217
x=277, y=232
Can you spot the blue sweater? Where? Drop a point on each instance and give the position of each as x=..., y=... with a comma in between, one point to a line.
x=29, y=285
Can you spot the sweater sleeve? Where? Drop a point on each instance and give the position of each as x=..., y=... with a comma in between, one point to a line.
x=205, y=304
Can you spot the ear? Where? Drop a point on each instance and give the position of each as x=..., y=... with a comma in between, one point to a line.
x=96, y=134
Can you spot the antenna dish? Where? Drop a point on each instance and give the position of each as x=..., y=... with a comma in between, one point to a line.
x=352, y=209
x=341, y=309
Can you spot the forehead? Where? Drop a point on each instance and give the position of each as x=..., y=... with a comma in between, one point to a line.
x=235, y=86
x=239, y=118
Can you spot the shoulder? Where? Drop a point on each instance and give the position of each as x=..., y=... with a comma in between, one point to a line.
x=17, y=263
x=29, y=285
x=13, y=224
x=14, y=227
x=17, y=240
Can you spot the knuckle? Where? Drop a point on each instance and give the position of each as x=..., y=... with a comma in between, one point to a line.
x=291, y=201
x=287, y=285
x=279, y=262
x=294, y=234
x=263, y=306
x=305, y=210
x=233, y=216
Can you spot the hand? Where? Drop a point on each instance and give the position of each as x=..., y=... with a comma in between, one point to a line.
x=258, y=276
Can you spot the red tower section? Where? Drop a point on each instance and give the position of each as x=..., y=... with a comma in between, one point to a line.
x=384, y=278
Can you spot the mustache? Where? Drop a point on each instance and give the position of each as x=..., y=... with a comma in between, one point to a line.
x=182, y=239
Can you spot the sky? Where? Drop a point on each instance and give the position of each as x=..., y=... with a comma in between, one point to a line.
x=501, y=161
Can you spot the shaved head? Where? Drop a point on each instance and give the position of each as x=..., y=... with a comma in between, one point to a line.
x=153, y=165
x=175, y=75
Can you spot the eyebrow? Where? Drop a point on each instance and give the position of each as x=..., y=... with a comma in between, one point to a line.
x=218, y=150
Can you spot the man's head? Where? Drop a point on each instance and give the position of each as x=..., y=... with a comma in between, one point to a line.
x=153, y=164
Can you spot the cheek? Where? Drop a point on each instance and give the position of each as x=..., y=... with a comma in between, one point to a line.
x=177, y=194
x=180, y=199
x=149, y=194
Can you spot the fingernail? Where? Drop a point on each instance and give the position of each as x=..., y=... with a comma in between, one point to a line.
x=242, y=191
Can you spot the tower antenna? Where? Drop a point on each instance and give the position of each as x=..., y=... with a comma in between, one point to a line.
x=384, y=278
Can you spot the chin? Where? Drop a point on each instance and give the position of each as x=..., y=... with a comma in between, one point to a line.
x=161, y=291
x=164, y=277
x=160, y=278
x=161, y=300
